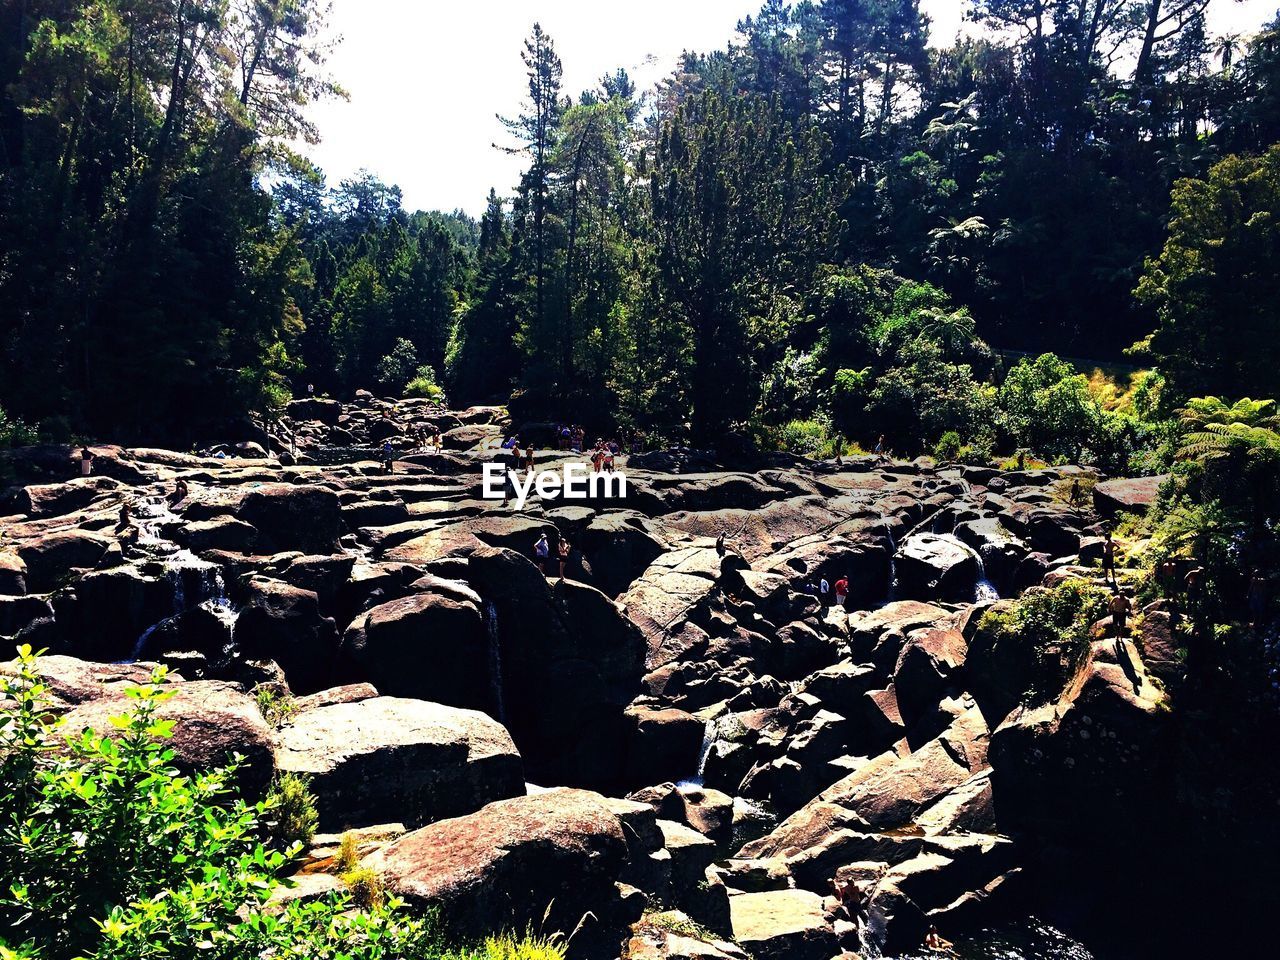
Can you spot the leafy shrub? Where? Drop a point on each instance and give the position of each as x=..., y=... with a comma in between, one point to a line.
x=365, y=886
x=108, y=853
x=424, y=385
x=396, y=368
x=293, y=810
x=15, y=433
x=1052, y=626
x=948, y=447
x=804, y=438
x=275, y=705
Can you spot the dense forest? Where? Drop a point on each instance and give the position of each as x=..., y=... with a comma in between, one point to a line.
x=865, y=234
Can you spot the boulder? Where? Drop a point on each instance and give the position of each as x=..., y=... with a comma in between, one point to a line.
x=218, y=533
x=1128, y=495
x=284, y=623
x=315, y=408
x=431, y=645
x=932, y=567
x=549, y=863
x=215, y=722
x=380, y=759
x=570, y=663
x=664, y=744
x=16, y=613
x=302, y=517
x=13, y=575
x=783, y=925
x=926, y=667
x=51, y=558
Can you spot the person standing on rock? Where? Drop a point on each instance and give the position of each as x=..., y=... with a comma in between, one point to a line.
x=388, y=457
x=1120, y=606
x=542, y=553
x=1109, y=555
x=824, y=591
x=562, y=551
x=720, y=548
x=842, y=590
x=86, y=462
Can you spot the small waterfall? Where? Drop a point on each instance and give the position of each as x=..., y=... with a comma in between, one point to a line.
x=983, y=589
x=709, y=734
x=893, y=562
x=495, y=659
x=196, y=582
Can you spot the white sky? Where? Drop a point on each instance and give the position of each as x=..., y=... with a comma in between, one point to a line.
x=427, y=77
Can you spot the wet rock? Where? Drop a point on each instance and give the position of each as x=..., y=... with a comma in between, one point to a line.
x=571, y=664
x=664, y=744
x=386, y=758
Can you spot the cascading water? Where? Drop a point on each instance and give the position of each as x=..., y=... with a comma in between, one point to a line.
x=893, y=562
x=983, y=589
x=709, y=734
x=196, y=582
x=495, y=659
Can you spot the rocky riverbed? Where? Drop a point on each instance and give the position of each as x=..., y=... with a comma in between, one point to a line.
x=673, y=752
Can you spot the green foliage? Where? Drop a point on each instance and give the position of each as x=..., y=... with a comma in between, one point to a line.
x=109, y=853
x=1046, y=406
x=1053, y=626
x=14, y=433
x=424, y=385
x=348, y=856
x=1214, y=286
x=293, y=818
x=276, y=705
x=396, y=368
x=366, y=888
x=804, y=438
x=948, y=447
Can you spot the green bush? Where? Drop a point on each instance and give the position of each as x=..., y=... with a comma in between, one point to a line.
x=108, y=853
x=804, y=438
x=424, y=385
x=293, y=810
x=1053, y=626
x=275, y=705
x=15, y=433
x=948, y=447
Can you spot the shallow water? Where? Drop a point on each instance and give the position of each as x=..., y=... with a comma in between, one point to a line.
x=1030, y=939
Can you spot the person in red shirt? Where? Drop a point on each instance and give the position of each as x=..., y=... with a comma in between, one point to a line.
x=842, y=590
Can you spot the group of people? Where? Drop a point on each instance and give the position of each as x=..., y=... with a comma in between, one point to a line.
x=827, y=593
x=602, y=456
x=543, y=557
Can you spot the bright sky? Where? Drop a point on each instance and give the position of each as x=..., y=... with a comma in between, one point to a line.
x=426, y=78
